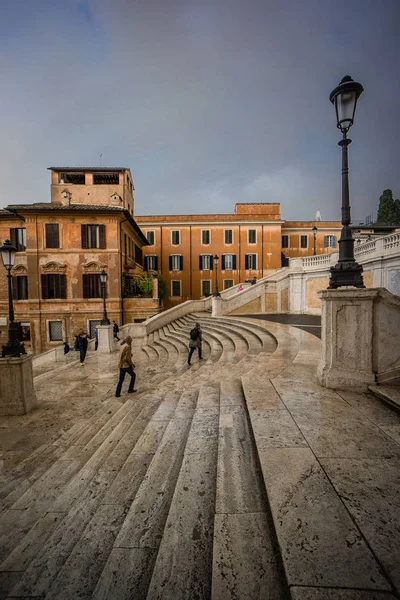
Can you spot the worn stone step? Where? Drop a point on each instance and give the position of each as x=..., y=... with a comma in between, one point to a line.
x=246, y=560
x=318, y=540
x=130, y=564
x=183, y=565
x=116, y=483
x=390, y=394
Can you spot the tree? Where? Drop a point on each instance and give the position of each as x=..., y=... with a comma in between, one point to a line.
x=389, y=209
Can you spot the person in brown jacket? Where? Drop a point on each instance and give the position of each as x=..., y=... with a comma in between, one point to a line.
x=126, y=365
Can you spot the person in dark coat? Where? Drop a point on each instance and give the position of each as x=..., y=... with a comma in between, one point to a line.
x=115, y=331
x=82, y=341
x=195, y=342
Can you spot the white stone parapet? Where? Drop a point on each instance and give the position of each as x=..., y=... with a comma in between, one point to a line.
x=17, y=394
x=106, y=339
x=360, y=341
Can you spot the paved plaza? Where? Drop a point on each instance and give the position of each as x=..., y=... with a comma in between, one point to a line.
x=236, y=478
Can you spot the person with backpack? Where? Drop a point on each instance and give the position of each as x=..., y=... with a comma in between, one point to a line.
x=195, y=342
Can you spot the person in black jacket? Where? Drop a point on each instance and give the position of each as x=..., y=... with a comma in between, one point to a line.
x=195, y=340
x=115, y=331
x=81, y=343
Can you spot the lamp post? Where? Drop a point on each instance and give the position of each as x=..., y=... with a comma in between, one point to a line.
x=14, y=347
x=216, y=259
x=314, y=230
x=346, y=272
x=103, y=279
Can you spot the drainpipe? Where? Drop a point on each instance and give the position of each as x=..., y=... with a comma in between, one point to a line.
x=120, y=264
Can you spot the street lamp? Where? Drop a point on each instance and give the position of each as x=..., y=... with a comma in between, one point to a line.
x=14, y=347
x=103, y=279
x=216, y=259
x=314, y=230
x=346, y=272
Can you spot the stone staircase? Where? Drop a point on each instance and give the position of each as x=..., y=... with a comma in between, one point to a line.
x=192, y=488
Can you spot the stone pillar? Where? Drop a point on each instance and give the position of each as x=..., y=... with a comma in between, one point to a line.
x=17, y=394
x=216, y=305
x=347, y=338
x=106, y=339
x=155, y=288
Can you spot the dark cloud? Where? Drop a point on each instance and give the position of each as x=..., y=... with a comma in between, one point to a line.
x=208, y=103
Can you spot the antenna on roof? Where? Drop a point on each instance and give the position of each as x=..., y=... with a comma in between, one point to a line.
x=100, y=159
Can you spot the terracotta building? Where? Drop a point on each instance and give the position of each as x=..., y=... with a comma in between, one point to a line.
x=252, y=242
x=62, y=246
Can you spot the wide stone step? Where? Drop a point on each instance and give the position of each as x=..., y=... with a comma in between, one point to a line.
x=390, y=394
x=115, y=484
x=184, y=561
x=130, y=564
x=246, y=560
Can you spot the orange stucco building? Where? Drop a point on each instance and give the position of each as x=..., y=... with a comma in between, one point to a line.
x=89, y=225
x=62, y=247
x=252, y=242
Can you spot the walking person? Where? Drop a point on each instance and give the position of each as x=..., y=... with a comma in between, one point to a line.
x=126, y=365
x=195, y=342
x=81, y=343
x=96, y=337
x=115, y=331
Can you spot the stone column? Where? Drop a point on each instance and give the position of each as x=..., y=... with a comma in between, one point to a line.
x=106, y=339
x=17, y=394
x=347, y=338
x=216, y=305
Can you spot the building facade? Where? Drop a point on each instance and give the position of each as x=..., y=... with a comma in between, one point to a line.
x=62, y=247
x=252, y=242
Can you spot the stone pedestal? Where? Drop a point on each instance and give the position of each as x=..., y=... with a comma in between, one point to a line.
x=216, y=305
x=17, y=394
x=347, y=338
x=106, y=339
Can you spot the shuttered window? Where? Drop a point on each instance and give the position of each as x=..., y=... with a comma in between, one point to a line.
x=93, y=236
x=176, y=288
x=205, y=262
x=175, y=262
x=303, y=241
x=250, y=261
x=18, y=238
x=54, y=286
x=20, y=287
x=330, y=241
x=52, y=235
x=151, y=263
x=206, y=287
x=150, y=237
x=91, y=285
x=285, y=241
x=228, y=235
x=175, y=237
x=228, y=262
x=205, y=237
x=252, y=236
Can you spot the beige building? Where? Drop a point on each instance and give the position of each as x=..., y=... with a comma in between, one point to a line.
x=62, y=247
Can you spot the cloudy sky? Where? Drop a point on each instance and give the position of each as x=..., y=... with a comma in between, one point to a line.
x=208, y=102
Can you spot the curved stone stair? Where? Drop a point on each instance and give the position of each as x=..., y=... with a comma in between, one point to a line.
x=173, y=493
